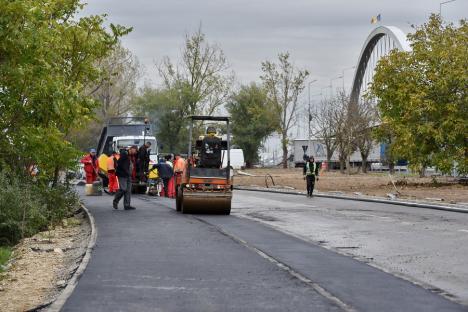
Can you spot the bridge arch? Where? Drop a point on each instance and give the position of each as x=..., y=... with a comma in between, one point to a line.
x=380, y=42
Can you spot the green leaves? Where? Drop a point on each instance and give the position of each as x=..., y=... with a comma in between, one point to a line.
x=422, y=97
x=252, y=120
x=47, y=59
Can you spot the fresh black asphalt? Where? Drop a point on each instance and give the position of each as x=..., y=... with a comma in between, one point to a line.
x=154, y=259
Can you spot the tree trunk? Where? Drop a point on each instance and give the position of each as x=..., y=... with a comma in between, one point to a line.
x=348, y=165
x=328, y=162
x=284, y=144
x=391, y=167
x=364, y=164
x=56, y=176
x=342, y=165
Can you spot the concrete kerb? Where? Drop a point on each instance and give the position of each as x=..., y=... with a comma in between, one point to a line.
x=58, y=303
x=365, y=199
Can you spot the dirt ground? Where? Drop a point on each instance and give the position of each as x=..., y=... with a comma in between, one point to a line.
x=438, y=188
x=42, y=265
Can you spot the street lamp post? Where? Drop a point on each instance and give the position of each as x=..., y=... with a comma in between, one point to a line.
x=331, y=84
x=308, y=137
x=440, y=6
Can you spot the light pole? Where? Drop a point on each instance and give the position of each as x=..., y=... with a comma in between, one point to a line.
x=331, y=84
x=440, y=6
x=308, y=137
x=343, y=71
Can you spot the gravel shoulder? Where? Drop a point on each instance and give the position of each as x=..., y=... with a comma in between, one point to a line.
x=41, y=265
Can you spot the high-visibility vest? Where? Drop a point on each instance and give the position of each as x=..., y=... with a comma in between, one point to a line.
x=110, y=163
x=310, y=171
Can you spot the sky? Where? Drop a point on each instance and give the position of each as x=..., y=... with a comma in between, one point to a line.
x=323, y=36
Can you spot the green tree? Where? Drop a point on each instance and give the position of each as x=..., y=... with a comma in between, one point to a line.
x=48, y=58
x=201, y=78
x=113, y=92
x=283, y=84
x=165, y=109
x=252, y=120
x=422, y=97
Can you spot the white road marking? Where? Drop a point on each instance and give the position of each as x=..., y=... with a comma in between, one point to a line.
x=463, y=231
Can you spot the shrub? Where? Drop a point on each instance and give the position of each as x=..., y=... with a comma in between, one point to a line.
x=27, y=207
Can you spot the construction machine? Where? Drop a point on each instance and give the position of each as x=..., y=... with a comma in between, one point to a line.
x=120, y=133
x=205, y=185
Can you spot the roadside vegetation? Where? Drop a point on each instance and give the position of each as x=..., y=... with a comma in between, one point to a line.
x=49, y=68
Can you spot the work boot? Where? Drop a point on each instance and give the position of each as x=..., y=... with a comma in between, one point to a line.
x=130, y=208
x=115, y=205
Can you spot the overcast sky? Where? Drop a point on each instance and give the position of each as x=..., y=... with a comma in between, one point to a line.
x=324, y=36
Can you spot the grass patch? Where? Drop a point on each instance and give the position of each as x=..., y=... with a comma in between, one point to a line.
x=5, y=253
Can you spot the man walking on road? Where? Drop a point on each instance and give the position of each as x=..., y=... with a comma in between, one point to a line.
x=310, y=172
x=124, y=174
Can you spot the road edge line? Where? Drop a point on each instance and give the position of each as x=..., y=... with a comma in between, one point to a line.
x=316, y=287
x=372, y=200
x=60, y=301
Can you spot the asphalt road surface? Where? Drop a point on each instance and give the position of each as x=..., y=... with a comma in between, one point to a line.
x=154, y=259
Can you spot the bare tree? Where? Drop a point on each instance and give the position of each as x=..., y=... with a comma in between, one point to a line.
x=114, y=92
x=283, y=83
x=201, y=77
x=345, y=129
x=365, y=119
x=324, y=127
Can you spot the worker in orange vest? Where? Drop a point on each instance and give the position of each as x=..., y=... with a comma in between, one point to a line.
x=113, y=182
x=91, y=166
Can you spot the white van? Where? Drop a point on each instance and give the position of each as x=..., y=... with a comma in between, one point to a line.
x=237, y=158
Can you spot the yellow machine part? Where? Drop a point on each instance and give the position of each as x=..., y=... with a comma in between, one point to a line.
x=206, y=202
x=103, y=162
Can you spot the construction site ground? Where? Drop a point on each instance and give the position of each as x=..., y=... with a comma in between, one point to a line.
x=407, y=186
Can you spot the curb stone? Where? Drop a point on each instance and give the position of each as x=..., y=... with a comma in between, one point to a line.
x=458, y=208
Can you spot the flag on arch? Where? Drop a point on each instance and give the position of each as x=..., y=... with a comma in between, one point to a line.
x=376, y=19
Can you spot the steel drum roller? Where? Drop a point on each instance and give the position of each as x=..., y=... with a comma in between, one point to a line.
x=205, y=203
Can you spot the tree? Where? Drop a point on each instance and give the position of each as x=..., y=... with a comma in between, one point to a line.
x=165, y=109
x=252, y=120
x=113, y=92
x=283, y=83
x=324, y=127
x=48, y=58
x=422, y=96
x=201, y=78
x=365, y=119
x=346, y=128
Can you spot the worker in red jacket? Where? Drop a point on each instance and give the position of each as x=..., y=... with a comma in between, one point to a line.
x=91, y=166
x=111, y=164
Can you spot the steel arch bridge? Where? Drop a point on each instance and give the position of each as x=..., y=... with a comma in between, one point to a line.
x=379, y=43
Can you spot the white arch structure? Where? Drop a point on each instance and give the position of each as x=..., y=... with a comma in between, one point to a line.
x=380, y=42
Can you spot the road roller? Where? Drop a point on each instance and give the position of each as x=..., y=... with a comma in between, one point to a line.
x=205, y=186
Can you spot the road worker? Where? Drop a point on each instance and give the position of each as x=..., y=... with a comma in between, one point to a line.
x=111, y=164
x=210, y=154
x=311, y=172
x=91, y=166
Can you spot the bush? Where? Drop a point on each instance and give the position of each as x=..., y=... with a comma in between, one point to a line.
x=27, y=207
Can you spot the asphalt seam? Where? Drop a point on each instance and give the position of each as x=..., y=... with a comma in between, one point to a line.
x=373, y=200
x=319, y=289
x=60, y=301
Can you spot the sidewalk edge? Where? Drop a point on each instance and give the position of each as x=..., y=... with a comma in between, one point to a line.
x=365, y=199
x=60, y=301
